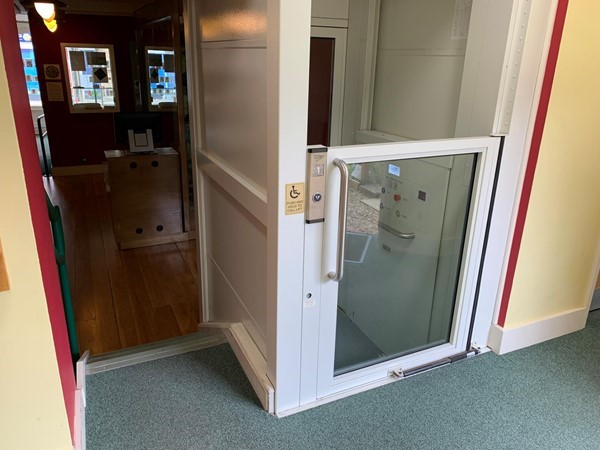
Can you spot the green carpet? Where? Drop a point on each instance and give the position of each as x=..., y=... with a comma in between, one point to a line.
x=353, y=349
x=545, y=396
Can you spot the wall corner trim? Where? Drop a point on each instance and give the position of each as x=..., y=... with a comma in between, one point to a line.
x=505, y=340
x=522, y=203
x=80, y=402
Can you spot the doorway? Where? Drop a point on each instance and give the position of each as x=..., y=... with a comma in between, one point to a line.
x=127, y=216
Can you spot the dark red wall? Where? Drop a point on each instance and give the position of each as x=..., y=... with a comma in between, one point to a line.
x=77, y=139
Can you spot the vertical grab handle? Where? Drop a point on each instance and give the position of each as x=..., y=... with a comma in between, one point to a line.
x=341, y=238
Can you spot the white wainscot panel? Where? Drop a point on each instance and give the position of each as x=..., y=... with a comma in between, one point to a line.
x=236, y=110
x=237, y=249
x=330, y=9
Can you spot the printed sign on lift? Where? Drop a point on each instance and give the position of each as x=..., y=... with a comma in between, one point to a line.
x=294, y=198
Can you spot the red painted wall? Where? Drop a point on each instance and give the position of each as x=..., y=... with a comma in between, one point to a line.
x=75, y=137
x=37, y=201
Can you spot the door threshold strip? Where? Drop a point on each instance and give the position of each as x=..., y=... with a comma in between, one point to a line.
x=151, y=352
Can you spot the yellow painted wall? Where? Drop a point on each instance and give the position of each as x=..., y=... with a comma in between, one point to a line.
x=32, y=409
x=561, y=241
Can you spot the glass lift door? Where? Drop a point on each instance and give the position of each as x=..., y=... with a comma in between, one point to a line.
x=402, y=243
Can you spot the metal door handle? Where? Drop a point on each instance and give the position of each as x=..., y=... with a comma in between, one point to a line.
x=341, y=238
x=396, y=233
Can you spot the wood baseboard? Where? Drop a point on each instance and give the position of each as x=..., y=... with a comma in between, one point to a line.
x=505, y=340
x=77, y=170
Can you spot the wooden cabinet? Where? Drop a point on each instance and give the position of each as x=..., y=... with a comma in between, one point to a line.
x=145, y=197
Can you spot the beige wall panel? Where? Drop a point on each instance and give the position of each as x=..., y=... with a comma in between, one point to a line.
x=418, y=24
x=418, y=76
x=416, y=96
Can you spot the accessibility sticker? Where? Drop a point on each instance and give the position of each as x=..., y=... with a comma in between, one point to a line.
x=294, y=198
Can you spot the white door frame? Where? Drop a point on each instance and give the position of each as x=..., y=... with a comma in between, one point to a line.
x=514, y=161
x=525, y=98
x=288, y=45
x=327, y=290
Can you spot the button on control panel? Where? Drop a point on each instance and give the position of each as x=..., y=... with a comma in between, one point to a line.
x=316, y=177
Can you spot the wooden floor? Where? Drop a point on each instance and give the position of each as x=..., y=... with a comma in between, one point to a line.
x=121, y=298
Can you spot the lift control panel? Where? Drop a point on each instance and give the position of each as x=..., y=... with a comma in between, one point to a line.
x=316, y=176
x=397, y=204
x=412, y=202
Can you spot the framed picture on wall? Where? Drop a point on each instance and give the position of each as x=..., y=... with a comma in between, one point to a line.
x=52, y=71
x=91, y=78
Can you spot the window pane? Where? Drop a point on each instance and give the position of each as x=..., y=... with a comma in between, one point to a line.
x=404, y=237
x=91, y=78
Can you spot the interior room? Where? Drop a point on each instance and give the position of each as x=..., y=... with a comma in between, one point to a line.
x=115, y=131
x=130, y=254
x=283, y=224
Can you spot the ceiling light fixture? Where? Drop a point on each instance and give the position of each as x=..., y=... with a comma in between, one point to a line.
x=48, y=13
x=51, y=25
x=45, y=10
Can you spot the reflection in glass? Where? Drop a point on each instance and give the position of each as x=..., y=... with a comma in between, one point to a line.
x=31, y=76
x=160, y=62
x=405, y=232
x=404, y=71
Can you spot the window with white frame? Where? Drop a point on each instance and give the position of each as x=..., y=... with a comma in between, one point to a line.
x=92, y=85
